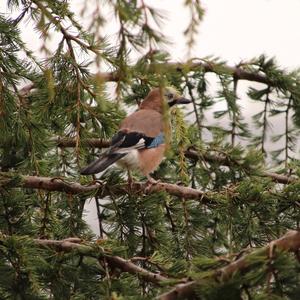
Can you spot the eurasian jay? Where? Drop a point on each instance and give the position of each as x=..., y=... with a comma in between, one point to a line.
x=139, y=144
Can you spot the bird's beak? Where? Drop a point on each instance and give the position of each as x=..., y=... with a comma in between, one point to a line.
x=179, y=100
x=183, y=100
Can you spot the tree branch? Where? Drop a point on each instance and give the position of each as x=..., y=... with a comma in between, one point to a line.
x=289, y=242
x=57, y=184
x=129, y=267
x=222, y=159
x=60, y=185
x=208, y=67
x=238, y=72
x=124, y=265
x=192, y=154
x=279, y=178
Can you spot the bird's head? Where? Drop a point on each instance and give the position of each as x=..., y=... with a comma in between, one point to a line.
x=157, y=97
x=173, y=97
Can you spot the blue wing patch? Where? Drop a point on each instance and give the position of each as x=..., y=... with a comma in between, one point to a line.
x=158, y=140
x=135, y=140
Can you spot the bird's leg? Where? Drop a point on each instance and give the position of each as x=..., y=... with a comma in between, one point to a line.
x=130, y=180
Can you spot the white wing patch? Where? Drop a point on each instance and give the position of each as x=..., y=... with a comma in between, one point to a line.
x=139, y=145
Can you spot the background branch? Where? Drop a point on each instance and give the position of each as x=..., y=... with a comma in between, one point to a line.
x=124, y=265
x=223, y=160
x=289, y=242
x=207, y=67
x=190, y=153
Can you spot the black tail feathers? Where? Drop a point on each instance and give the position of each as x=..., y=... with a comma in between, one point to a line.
x=101, y=163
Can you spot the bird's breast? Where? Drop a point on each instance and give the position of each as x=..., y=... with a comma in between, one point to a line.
x=130, y=161
x=144, y=160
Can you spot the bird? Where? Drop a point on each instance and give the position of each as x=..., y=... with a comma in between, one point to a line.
x=140, y=144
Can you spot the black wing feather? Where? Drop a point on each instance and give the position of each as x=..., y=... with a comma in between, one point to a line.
x=129, y=139
x=121, y=141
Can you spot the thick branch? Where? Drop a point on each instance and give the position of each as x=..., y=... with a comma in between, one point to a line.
x=289, y=242
x=124, y=265
x=57, y=184
x=60, y=185
x=279, y=178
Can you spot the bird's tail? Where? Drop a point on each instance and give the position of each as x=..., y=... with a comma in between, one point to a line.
x=101, y=163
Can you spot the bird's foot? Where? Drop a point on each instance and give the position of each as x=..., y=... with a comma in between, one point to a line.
x=150, y=182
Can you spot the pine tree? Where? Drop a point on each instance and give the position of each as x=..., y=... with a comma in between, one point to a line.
x=220, y=225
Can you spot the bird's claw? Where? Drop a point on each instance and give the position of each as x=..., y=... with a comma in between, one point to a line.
x=150, y=182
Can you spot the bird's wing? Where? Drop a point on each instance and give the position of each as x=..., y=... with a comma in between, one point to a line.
x=141, y=130
x=146, y=121
x=100, y=164
x=124, y=142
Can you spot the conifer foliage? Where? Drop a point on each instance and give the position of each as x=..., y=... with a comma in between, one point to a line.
x=220, y=224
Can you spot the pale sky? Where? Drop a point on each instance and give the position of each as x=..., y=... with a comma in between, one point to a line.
x=240, y=29
x=233, y=30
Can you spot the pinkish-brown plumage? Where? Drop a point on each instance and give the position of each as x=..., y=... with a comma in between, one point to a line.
x=147, y=121
x=150, y=159
x=154, y=101
x=139, y=143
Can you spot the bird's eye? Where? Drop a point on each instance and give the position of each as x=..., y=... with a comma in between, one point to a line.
x=170, y=96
